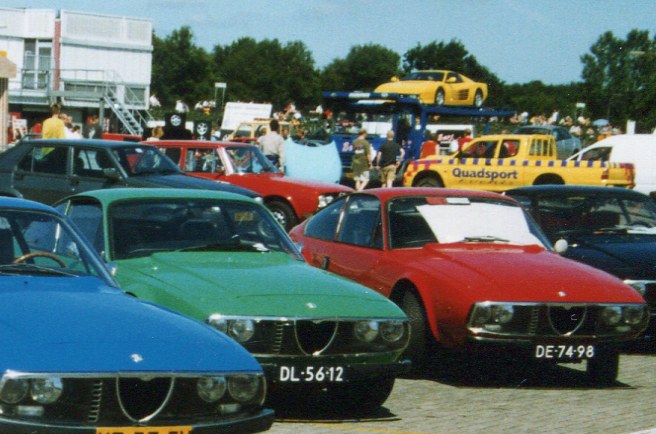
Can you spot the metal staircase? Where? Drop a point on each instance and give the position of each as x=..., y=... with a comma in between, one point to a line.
x=131, y=120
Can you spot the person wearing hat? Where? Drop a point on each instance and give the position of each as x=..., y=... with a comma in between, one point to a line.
x=362, y=159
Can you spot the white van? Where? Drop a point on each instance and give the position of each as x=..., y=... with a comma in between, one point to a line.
x=639, y=149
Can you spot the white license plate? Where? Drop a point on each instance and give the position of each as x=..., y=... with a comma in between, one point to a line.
x=311, y=374
x=564, y=352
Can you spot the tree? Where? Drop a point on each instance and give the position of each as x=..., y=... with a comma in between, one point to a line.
x=620, y=78
x=181, y=70
x=364, y=68
x=267, y=71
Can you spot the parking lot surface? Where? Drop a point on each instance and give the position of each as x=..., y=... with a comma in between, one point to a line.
x=472, y=397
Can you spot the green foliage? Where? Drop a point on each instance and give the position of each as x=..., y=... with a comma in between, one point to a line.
x=364, y=68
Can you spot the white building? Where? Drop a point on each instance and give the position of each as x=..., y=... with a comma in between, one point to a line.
x=92, y=64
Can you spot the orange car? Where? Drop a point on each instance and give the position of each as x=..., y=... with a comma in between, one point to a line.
x=438, y=87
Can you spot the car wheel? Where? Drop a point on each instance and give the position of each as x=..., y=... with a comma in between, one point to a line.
x=283, y=213
x=478, y=99
x=603, y=368
x=439, y=97
x=429, y=181
x=417, y=350
x=361, y=396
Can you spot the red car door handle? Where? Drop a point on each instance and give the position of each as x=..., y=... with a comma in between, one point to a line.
x=325, y=262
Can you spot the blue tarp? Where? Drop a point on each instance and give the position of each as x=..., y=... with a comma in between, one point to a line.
x=315, y=161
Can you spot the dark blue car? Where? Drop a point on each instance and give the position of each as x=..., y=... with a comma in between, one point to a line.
x=80, y=356
x=613, y=229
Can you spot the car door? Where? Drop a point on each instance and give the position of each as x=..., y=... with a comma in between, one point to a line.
x=457, y=89
x=358, y=247
x=43, y=173
x=94, y=169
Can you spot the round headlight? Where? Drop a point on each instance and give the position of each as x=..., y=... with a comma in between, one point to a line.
x=217, y=321
x=366, y=331
x=324, y=200
x=13, y=391
x=481, y=315
x=502, y=314
x=47, y=390
x=241, y=329
x=611, y=315
x=633, y=315
x=244, y=388
x=211, y=389
x=392, y=331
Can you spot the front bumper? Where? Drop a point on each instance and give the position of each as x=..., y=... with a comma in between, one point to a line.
x=253, y=423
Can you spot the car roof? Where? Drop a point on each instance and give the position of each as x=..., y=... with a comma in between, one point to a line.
x=83, y=142
x=628, y=138
x=14, y=202
x=386, y=194
x=109, y=195
x=589, y=190
x=198, y=143
x=513, y=136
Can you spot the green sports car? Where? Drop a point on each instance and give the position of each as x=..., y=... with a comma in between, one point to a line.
x=223, y=259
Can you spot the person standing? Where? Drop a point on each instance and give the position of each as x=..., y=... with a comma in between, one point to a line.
x=362, y=159
x=53, y=127
x=273, y=145
x=388, y=158
x=92, y=129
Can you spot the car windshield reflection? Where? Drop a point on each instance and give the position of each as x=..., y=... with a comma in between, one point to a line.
x=144, y=160
x=249, y=159
x=141, y=228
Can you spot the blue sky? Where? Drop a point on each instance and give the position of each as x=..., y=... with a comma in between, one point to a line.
x=518, y=40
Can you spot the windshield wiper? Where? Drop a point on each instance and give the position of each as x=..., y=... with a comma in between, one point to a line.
x=485, y=239
x=23, y=268
x=230, y=246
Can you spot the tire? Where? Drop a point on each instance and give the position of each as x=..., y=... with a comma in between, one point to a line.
x=430, y=181
x=417, y=350
x=604, y=367
x=283, y=213
x=478, y=99
x=439, y=97
x=361, y=396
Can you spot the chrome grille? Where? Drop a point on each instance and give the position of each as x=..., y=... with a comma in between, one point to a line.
x=566, y=320
x=96, y=401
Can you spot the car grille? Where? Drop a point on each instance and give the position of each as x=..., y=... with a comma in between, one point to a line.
x=122, y=402
x=317, y=337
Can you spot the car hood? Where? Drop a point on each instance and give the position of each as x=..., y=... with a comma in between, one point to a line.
x=625, y=256
x=78, y=325
x=301, y=183
x=185, y=181
x=529, y=273
x=252, y=284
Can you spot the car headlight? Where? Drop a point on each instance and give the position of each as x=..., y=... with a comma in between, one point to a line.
x=244, y=388
x=611, y=315
x=218, y=322
x=14, y=390
x=633, y=315
x=46, y=390
x=366, y=331
x=492, y=314
x=324, y=200
x=241, y=329
x=392, y=331
x=211, y=389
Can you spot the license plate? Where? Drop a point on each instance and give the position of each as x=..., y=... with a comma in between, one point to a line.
x=311, y=374
x=564, y=352
x=146, y=430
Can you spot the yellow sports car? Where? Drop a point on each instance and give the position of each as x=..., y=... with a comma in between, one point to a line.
x=438, y=87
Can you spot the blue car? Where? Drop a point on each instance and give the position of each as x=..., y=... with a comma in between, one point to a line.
x=80, y=356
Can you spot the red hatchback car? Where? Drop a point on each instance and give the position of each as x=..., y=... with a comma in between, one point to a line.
x=290, y=199
x=473, y=271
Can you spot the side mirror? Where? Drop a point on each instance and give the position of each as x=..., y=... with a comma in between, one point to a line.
x=394, y=79
x=111, y=174
x=561, y=246
x=112, y=268
x=451, y=80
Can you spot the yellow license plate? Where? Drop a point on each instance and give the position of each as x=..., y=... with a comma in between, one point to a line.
x=146, y=430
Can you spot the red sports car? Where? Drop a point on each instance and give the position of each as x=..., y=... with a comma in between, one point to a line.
x=474, y=272
x=289, y=199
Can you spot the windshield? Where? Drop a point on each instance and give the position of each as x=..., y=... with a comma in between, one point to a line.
x=432, y=75
x=249, y=159
x=39, y=243
x=559, y=215
x=149, y=226
x=144, y=160
x=415, y=221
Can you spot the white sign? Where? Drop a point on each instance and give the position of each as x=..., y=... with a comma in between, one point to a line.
x=237, y=112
